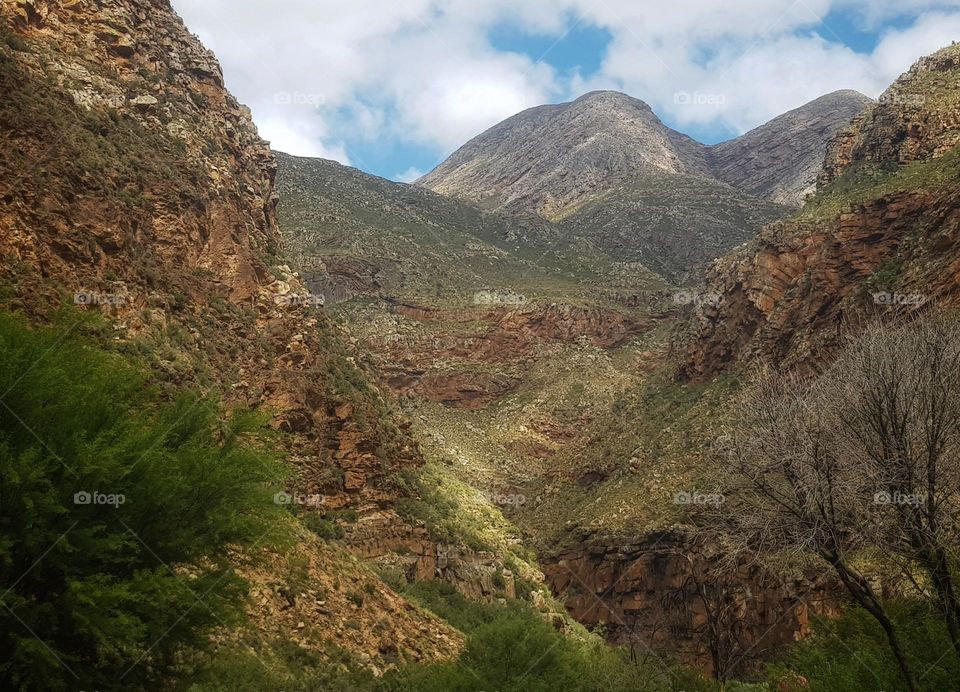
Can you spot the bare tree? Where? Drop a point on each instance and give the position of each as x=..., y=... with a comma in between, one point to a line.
x=721, y=628
x=894, y=400
x=789, y=489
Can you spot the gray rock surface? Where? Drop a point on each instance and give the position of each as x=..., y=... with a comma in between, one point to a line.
x=607, y=170
x=780, y=160
x=549, y=159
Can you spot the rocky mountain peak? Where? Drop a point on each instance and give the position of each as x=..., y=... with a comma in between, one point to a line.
x=610, y=98
x=549, y=159
x=780, y=160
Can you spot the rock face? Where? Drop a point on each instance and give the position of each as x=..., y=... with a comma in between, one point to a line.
x=549, y=159
x=880, y=239
x=914, y=120
x=157, y=189
x=141, y=81
x=388, y=543
x=136, y=187
x=609, y=171
x=781, y=159
x=667, y=593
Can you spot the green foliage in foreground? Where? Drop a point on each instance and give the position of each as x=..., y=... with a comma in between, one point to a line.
x=509, y=647
x=116, y=510
x=851, y=654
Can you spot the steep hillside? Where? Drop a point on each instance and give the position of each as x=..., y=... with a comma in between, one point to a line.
x=879, y=239
x=669, y=223
x=353, y=234
x=780, y=160
x=549, y=159
x=136, y=190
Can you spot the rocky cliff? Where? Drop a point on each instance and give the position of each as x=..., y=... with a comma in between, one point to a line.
x=667, y=592
x=136, y=188
x=879, y=240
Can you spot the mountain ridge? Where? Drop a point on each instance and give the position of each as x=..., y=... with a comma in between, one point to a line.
x=465, y=167
x=599, y=168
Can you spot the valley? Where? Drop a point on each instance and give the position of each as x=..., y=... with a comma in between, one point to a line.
x=591, y=405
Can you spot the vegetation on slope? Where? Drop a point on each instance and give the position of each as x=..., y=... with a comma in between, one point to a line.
x=862, y=183
x=369, y=236
x=116, y=511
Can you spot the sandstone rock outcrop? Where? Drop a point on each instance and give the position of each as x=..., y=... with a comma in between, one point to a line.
x=389, y=543
x=666, y=592
x=879, y=241
x=136, y=187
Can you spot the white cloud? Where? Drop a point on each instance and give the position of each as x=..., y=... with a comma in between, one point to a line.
x=321, y=74
x=409, y=175
x=296, y=136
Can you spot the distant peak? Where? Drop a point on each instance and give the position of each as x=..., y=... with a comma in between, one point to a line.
x=848, y=94
x=611, y=97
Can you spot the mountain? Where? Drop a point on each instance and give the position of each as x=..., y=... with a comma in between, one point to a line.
x=552, y=158
x=139, y=200
x=356, y=234
x=781, y=159
x=879, y=240
x=606, y=169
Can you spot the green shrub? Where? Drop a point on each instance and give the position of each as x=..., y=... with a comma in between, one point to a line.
x=116, y=510
x=851, y=654
x=520, y=652
x=280, y=665
x=326, y=529
x=510, y=647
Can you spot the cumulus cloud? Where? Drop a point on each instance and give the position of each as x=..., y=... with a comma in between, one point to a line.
x=320, y=75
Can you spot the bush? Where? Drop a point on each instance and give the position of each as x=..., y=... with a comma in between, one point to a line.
x=116, y=511
x=324, y=528
x=521, y=652
x=850, y=653
x=510, y=647
x=280, y=665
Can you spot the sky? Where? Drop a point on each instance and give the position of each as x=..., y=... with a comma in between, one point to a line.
x=393, y=87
